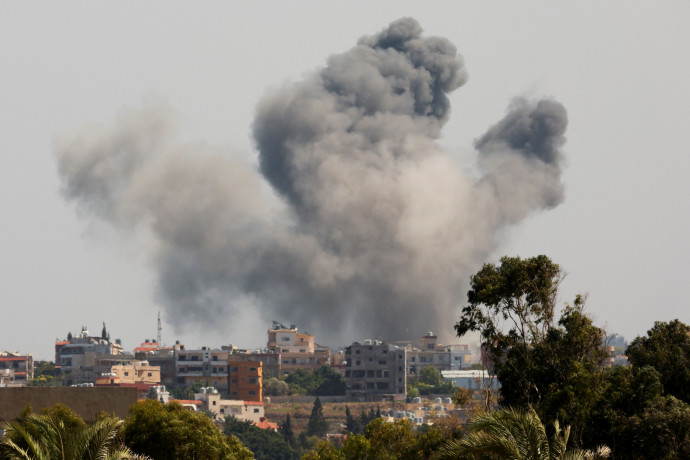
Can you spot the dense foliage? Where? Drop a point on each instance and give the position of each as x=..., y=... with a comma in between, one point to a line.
x=265, y=444
x=325, y=381
x=166, y=431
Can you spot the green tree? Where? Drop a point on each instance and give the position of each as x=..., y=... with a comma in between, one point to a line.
x=265, y=444
x=667, y=349
x=48, y=437
x=275, y=387
x=514, y=434
x=286, y=431
x=352, y=425
x=166, y=431
x=317, y=425
x=555, y=368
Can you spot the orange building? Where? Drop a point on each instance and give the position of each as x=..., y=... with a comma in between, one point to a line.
x=245, y=381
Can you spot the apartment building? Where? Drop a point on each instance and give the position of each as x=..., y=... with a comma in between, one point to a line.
x=16, y=369
x=297, y=350
x=245, y=380
x=430, y=353
x=210, y=365
x=82, y=358
x=374, y=371
x=270, y=361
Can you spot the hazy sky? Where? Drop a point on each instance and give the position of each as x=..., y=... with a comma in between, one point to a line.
x=621, y=70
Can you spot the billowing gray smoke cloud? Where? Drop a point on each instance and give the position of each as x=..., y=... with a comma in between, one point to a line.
x=373, y=228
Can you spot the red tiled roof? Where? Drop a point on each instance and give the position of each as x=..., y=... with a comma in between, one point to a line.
x=146, y=349
x=12, y=358
x=64, y=342
x=266, y=425
x=20, y=373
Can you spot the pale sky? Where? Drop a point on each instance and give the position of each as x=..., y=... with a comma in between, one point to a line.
x=620, y=68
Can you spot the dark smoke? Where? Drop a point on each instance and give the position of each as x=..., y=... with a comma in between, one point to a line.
x=375, y=230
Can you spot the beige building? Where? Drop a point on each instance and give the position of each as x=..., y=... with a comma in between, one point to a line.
x=137, y=372
x=297, y=350
x=429, y=352
x=83, y=358
x=252, y=411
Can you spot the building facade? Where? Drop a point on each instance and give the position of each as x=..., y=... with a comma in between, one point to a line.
x=296, y=350
x=245, y=380
x=375, y=370
x=204, y=364
x=16, y=369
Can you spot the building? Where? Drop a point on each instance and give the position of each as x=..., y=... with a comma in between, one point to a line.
x=245, y=380
x=471, y=379
x=16, y=369
x=163, y=357
x=297, y=350
x=375, y=371
x=202, y=365
x=252, y=411
x=270, y=361
x=83, y=358
x=430, y=353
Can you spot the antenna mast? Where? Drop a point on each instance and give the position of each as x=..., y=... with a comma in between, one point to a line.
x=158, y=337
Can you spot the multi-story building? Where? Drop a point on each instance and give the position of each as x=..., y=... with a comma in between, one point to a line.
x=245, y=380
x=204, y=364
x=270, y=361
x=16, y=369
x=431, y=353
x=375, y=371
x=163, y=357
x=297, y=350
x=82, y=358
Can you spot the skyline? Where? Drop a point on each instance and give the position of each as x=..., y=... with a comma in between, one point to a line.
x=619, y=232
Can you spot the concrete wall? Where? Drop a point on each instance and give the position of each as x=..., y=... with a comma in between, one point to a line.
x=85, y=401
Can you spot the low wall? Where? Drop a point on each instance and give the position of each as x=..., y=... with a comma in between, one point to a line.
x=88, y=402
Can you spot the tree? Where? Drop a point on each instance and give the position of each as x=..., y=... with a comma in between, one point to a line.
x=667, y=349
x=265, y=444
x=317, y=426
x=519, y=295
x=352, y=425
x=286, y=431
x=555, y=368
x=165, y=431
x=275, y=387
x=514, y=434
x=48, y=436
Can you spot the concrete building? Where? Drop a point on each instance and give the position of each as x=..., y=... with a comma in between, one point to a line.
x=204, y=364
x=83, y=358
x=270, y=361
x=297, y=350
x=252, y=411
x=16, y=369
x=375, y=371
x=430, y=353
x=245, y=380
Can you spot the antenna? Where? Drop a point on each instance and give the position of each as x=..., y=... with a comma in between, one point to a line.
x=158, y=337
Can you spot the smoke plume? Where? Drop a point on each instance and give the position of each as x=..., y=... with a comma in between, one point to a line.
x=371, y=227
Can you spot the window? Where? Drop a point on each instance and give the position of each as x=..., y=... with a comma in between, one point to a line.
x=385, y=351
x=150, y=374
x=302, y=350
x=358, y=362
x=233, y=369
x=126, y=374
x=252, y=392
x=285, y=339
x=215, y=358
x=222, y=411
x=382, y=361
x=252, y=369
x=214, y=403
x=252, y=380
x=256, y=411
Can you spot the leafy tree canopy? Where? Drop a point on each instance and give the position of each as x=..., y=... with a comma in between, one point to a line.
x=667, y=349
x=166, y=431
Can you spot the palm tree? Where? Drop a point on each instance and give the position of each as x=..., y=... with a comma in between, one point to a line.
x=516, y=435
x=45, y=437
